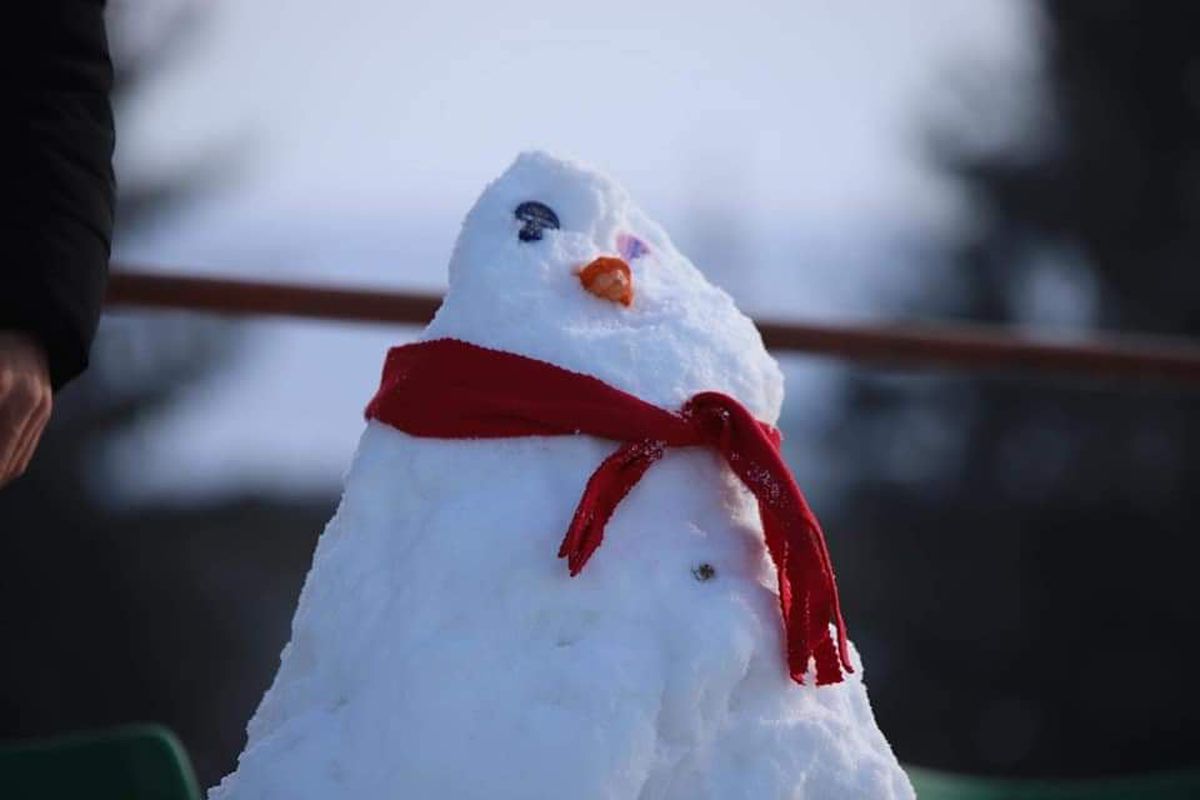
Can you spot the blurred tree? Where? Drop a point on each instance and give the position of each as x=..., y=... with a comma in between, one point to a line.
x=1020, y=554
x=115, y=614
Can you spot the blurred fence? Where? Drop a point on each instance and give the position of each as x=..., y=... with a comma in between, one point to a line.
x=1148, y=360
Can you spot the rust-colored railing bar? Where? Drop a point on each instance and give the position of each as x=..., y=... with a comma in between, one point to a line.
x=907, y=344
x=232, y=296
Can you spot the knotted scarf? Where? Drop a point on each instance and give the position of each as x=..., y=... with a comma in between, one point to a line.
x=451, y=389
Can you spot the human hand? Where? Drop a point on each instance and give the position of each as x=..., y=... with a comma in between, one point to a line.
x=25, y=401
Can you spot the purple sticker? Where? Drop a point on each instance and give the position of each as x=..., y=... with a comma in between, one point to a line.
x=631, y=247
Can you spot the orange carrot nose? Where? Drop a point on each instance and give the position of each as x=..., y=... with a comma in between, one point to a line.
x=609, y=278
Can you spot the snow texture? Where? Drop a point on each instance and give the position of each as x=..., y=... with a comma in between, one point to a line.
x=440, y=649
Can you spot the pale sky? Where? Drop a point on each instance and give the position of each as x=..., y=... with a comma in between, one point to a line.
x=812, y=107
x=364, y=130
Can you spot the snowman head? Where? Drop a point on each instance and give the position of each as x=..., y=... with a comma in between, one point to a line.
x=555, y=262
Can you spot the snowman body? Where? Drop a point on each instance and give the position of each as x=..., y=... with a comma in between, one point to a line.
x=440, y=649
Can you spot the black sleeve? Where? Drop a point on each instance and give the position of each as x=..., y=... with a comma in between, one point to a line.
x=56, y=177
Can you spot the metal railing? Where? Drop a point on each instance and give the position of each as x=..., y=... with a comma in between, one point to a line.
x=954, y=346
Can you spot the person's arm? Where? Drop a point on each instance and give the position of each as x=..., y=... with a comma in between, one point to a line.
x=56, y=175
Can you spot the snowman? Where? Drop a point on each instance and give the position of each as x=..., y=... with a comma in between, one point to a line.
x=568, y=562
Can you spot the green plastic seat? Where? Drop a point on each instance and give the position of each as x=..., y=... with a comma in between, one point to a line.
x=934, y=785
x=135, y=762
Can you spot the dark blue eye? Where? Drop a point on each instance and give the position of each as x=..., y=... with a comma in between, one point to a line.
x=535, y=217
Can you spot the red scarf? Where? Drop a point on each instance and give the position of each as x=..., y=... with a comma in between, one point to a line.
x=451, y=389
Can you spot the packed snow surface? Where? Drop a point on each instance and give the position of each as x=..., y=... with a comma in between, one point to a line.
x=440, y=649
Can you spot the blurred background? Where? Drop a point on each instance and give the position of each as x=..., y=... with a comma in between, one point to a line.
x=1017, y=554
